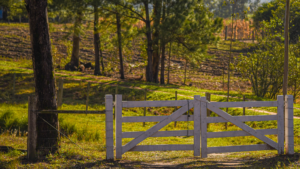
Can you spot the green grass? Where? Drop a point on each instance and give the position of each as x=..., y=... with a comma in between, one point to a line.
x=87, y=130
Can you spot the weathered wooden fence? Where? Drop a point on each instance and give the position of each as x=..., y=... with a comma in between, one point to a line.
x=32, y=151
x=284, y=124
x=154, y=131
x=201, y=105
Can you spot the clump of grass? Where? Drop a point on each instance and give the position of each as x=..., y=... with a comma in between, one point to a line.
x=9, y=120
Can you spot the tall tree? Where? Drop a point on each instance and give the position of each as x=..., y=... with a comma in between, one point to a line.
x=96, y=38
x=43, y=74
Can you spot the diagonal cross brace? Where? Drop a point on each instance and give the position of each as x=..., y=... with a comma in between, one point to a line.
x=243, y=126
x=157, y=127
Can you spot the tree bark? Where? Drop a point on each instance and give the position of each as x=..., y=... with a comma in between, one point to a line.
x=96, y=40
x=169, y=64
x=185, y=71
x=156, y=37
x=47, y=137
x=120, y=46
x=163, y=48
x=149, y=71
x=76, y=40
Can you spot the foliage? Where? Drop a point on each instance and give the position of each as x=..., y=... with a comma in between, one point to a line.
x=276, y=10
x=264, y=67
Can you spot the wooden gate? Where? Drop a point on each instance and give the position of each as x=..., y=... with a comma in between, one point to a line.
x=154, y=131
x=284, y=126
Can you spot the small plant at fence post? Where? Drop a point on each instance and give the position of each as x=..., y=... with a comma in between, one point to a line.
x=207, y=95
x=244, y=108
x=60, y=93
x=145, y=107
x=109, y=127
x=87, y=96
x=175, y=122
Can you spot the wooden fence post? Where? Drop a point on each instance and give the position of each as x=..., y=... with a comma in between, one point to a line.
x=87, y=96
x=226, y=32
x=118, y=122
x=175, y=123
x=280, y=124
x=145, y=107
x=109, y=127
x=60, y=92
x=289, y=125
x=203, y=123
x=244, y=108
x=197, y=125
x=32, y=132
x=207, y=95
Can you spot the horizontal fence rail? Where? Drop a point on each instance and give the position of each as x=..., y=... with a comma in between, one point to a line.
x=128, y=104
x=245, y=104
x=71, y=112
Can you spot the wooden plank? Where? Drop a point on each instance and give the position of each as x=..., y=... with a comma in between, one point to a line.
x=160, y=133
x=154, y=118
x=32, y=131
x=203, y=128
x=118, y=123
x=243, y=118
x=163, y=147
x=245, y=104
x=243, y=126
x=109, y=127
x=157, y=127
x=71, y=112
x=172, y=103
x=238, y=148
x=239, y=133
x=196, y=125
x=289, y=125
x=280, y=124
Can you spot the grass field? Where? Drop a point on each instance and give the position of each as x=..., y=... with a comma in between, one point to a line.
x=85, y=145
x=87, y=130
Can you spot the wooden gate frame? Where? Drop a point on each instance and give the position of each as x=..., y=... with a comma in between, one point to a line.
x=154, y=131
x=284, y=126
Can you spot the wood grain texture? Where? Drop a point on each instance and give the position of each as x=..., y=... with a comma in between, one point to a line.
x=239, y=148
x=243, y=126
x=157, y=127
x=245, y=104
x=239, y=133
x=154, y=118
x=243, y=118
x=109, y=127
x=32, y=129
x=289, y=125
x=160, y=133
x=118, y=123
x=280, y=124
x=203, y=126
x=172, y=103
x=163, y=147
x=197, y=125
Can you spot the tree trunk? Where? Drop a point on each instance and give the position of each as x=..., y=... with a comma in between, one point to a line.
x=120, y=46
x=162, y=66
x=156, y=37
x=101, y=55
x=169, y=64
x=163, y=48
x=185, y=71
x=96, y=40
x=76, y=39
x=149, y=71
x=47, y=137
